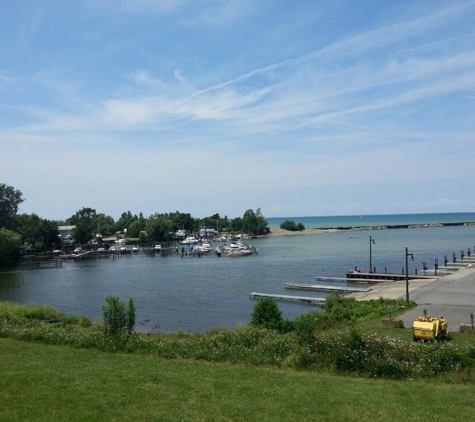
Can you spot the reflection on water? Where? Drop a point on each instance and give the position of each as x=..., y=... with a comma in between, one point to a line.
x=202, y=294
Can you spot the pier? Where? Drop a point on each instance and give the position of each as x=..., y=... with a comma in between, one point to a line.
x=324, y=288
x=288, y=298
x=374, y=277
x=43, y=264
x=354, y=280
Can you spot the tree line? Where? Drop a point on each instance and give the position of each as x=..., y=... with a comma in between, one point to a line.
x=19, y=232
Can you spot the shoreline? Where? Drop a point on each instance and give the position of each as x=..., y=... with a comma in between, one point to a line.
x=277, y=231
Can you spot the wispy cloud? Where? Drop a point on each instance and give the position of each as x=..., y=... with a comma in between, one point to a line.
x=328, y=121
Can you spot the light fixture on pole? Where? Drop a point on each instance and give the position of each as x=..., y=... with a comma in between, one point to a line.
x=371, y=242
x=407, y=274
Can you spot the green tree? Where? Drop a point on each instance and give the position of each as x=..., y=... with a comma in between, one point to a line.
x=158, y=229
x=254, y=223
x=84, y=220
x=10, y=244
x=215, y=221
x=235, y=225
x=125, y=220
x=119, y=320
x=37, y=231
x=292, y=226
x=135, y=228
x=10, y=199
x=103, y=224
x=266, y=313
x=182, y=221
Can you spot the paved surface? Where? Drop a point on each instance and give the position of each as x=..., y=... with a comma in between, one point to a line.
x=451, y=296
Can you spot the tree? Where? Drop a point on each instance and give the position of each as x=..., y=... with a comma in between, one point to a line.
x=10, y=199
x=119, y=320
x=235, y=225
x=254, y=222
x=125, y=220
x=182, y=221
x=84, y=220
x=37, y=231
x=135, y=228
x=103, y=224
x=266, y=313
x=292, y=226
x=158, y=229
x=10, y=244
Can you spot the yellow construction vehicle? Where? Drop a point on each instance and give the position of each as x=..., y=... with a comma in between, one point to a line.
x=428, y=328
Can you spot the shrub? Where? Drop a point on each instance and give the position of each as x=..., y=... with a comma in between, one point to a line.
x=292, y=226
x=266, y=313
x=119, y=321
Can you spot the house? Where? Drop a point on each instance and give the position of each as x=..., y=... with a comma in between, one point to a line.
x=65, y=233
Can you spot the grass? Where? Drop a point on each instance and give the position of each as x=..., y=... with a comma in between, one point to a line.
x=58, y=368
x=56, y=383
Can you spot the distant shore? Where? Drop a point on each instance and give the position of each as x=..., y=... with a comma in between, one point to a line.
x=281, y=232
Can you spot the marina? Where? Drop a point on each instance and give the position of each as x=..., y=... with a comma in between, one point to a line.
x=190, y=294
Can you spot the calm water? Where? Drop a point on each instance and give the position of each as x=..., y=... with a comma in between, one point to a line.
x=375, y=220
x=201, y=294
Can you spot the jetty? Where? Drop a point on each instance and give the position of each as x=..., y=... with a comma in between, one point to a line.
x=287, y=298
x=354, y=280
x=325, y=288
x=55, y=263
x=374, y=277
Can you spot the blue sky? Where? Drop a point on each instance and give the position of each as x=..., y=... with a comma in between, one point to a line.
x=300, y=108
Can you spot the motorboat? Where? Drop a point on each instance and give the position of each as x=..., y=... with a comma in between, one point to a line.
x=240, y=252
x=190, y=240
x=205, y=248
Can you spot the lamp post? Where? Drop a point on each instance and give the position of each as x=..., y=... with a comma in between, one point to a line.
x=371, y=242
x=407, y=274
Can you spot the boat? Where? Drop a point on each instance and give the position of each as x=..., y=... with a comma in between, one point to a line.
x=240, y=252
x=190, y=240
x=200, y=249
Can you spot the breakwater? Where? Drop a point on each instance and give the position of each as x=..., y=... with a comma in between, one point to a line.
x=403, y=226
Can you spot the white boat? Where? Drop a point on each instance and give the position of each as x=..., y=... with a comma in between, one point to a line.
x=240, y=252
x=190, y=240
x=200, y=249
x=157, y=248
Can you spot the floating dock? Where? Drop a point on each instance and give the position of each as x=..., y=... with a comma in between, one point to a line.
x=287, y=298
x=43, y=264
x=375, y=277
x=323, y=288
x=354, y=280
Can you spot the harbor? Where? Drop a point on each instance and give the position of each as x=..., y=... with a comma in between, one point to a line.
x=192, y=294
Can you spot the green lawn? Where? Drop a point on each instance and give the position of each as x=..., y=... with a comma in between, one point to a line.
x=58, y=383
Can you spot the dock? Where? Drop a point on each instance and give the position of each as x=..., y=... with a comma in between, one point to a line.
x=375, y=277
x=324, y=288
x=55, y=263
x=288, y=298
x=354, y=280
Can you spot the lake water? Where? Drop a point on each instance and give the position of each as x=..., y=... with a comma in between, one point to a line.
x=202, y=294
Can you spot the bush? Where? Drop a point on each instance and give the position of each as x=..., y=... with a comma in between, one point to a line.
x=266, y=313
x=119, y=321
x=292, y=226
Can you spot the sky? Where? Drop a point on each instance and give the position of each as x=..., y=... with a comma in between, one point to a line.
x=299, y=108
